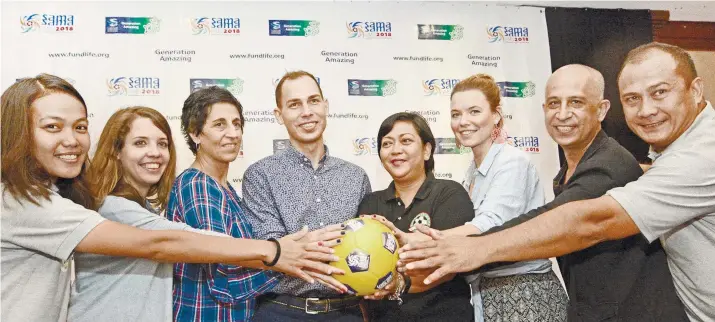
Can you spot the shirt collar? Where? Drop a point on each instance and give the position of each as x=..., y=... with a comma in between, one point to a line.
x=292, y=152
x=707, y=113
x=422, y=194
x=489, y=158
x=600, y=139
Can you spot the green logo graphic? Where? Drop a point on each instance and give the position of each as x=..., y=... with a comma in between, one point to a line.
x=517, y=89
x=449, y=146
x=293, y=27
x=440, y=32
x=235, y=86
x=131, y=25
x=372, y=87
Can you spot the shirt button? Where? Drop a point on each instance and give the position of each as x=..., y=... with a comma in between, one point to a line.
x=305, y=159
x=315, y=177
x=399, y=203
x=398, y=218
x=317, y=200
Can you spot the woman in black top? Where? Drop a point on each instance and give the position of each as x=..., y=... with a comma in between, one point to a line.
x=406, y=147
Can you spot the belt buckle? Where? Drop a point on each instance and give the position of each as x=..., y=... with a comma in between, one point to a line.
x=314, y=299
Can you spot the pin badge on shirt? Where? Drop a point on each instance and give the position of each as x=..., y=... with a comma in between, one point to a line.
x=423, y=219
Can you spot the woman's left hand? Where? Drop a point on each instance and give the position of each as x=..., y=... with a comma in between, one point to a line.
x=327, y=235
x=403, y=238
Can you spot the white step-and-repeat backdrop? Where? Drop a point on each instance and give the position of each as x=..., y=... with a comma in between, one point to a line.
x=373, y=59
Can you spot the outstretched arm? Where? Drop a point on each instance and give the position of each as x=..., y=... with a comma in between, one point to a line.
x=568, y=228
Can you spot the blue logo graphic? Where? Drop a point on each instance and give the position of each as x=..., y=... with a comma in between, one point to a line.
x=46, y=22
x=369, y=29
x=439, y=86
x=133, y=86
x=216, y=26
x=526, y=143
x=365, y=146
x=507, y=34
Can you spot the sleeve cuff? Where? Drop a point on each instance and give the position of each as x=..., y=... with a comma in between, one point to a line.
x=78, y=234
x=632, y=210
x=482, y=223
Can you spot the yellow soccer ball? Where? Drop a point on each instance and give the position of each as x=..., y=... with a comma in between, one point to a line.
x=368, y=255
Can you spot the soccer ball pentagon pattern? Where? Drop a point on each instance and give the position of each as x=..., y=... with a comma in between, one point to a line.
x=368, y=255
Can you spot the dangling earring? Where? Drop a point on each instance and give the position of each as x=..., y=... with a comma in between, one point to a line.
x=499, y=135
x=495, y=133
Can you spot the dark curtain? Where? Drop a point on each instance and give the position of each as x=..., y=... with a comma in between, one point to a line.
x=601, y=38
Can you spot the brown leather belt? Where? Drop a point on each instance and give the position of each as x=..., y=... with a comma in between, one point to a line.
x=314, y=305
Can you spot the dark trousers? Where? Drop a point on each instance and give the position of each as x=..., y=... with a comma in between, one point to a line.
x=273, y=312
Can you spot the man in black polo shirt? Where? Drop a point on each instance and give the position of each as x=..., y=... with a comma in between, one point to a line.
x=618, y=280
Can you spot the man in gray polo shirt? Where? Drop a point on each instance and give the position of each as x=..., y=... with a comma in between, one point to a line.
x=674, y=200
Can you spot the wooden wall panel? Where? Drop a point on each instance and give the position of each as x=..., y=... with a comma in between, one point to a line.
x=690, y=35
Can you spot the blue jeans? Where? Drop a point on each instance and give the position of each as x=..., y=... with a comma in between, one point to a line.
x=274, y=312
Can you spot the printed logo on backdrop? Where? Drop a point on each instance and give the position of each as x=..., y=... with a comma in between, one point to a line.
x=280, y=145
x=439, y=86
x=371, y=87
x=72, y=54
x=429, y=115
x=133, y=86
x=443, y=175
x=507, y=34
x=369, y=29
x=261, y=116
x=131, y=25
x=517, y=89
x=235, y=85
x=484, y=60
x=449, y=146
x=440, y=32
x=46, y=23
x=303, y=28
x=179, y=55
x=345, y=57
x=419, y=58
x=216, y=26
x=365, y=146
x=525, y=143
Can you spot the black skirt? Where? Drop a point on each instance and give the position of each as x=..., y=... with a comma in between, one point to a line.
x=448, y=302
